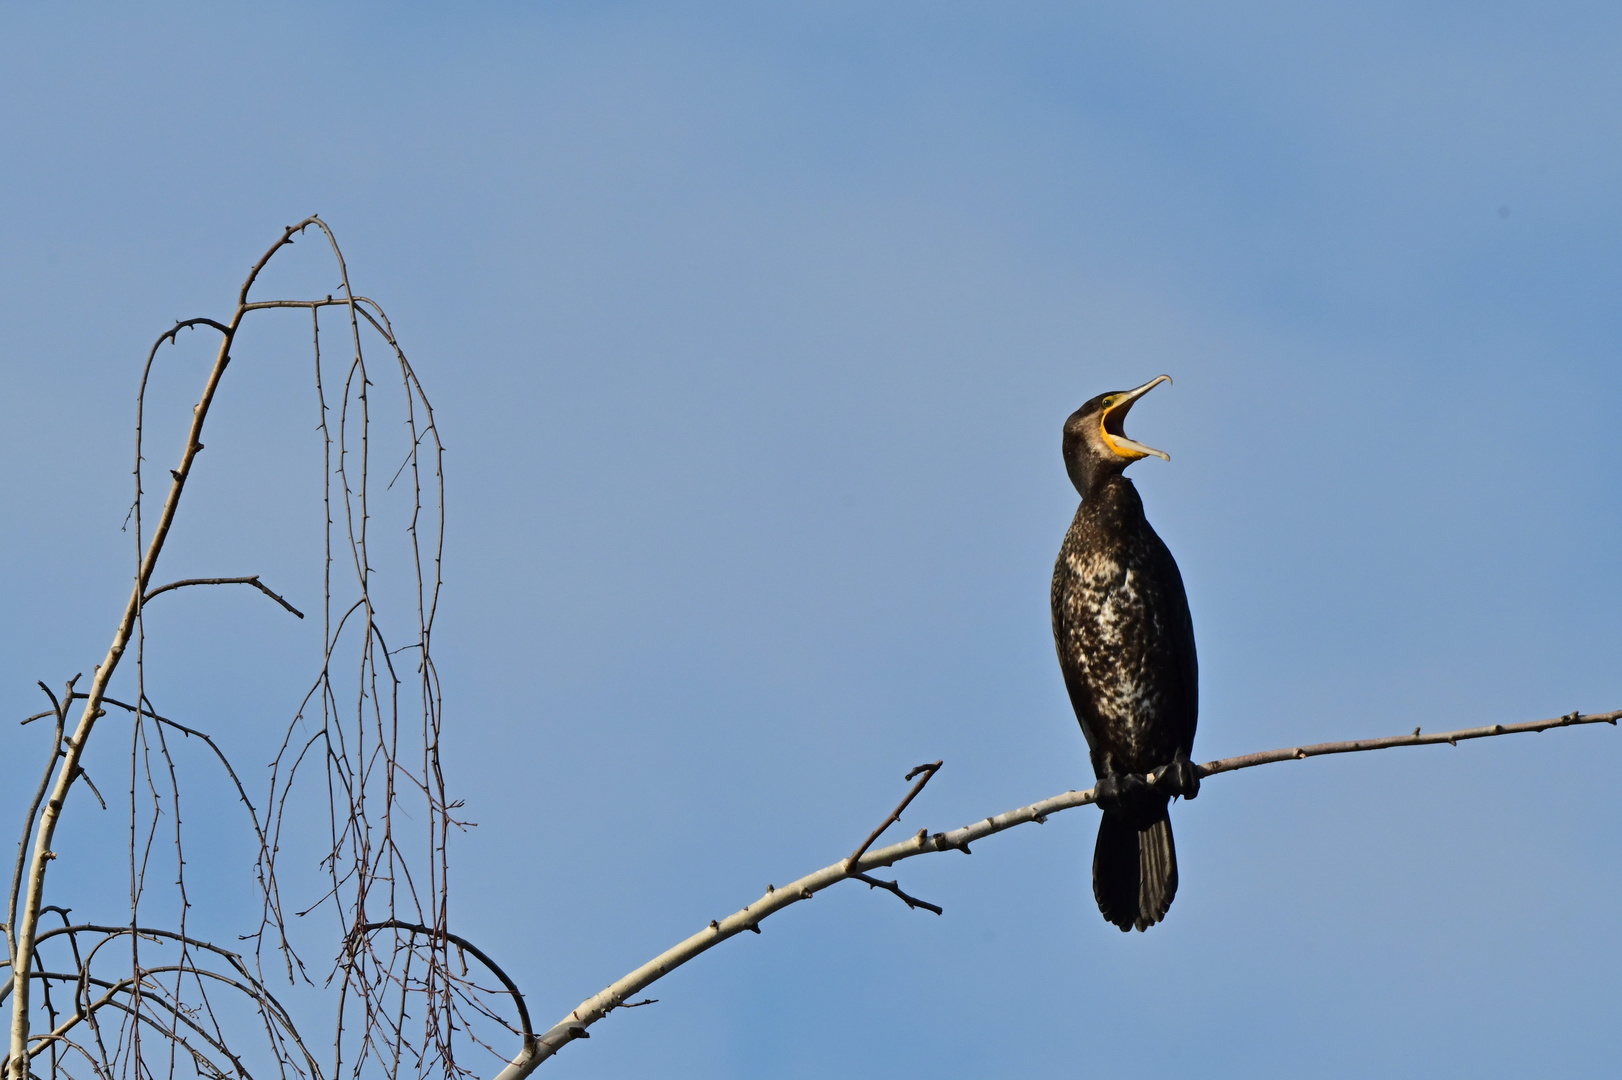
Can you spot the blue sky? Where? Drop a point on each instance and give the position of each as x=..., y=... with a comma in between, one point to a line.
x=751, y=329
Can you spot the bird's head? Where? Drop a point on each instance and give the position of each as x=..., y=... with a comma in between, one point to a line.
x=1095, y=442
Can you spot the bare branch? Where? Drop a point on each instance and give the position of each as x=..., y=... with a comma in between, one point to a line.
x=250, y=580
x=597, y=1006
x=1452, y=738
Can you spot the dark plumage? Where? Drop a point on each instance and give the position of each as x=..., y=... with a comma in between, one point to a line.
x=1126, y=647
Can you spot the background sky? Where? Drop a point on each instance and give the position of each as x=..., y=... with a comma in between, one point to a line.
x=751, y=330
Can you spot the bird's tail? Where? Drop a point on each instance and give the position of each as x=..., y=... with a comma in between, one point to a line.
x=1134, y=869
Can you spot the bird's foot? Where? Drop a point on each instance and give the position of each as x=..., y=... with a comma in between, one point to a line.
x=1122, y=793
x=1180, y=778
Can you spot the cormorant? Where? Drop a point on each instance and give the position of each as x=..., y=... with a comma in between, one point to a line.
x=1126, y=647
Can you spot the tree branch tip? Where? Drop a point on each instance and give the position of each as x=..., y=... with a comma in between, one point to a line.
x=912, y=902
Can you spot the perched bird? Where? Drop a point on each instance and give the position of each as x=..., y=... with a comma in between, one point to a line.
x=1126, y=647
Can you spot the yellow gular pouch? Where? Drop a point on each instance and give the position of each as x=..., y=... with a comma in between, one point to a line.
x=1111, y=424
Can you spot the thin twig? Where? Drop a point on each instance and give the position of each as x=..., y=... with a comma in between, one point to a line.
x=895, y=887
x=637, y=1004
x=895, y=815
x=59, y=709
x=1452, y=738
x=250, y=580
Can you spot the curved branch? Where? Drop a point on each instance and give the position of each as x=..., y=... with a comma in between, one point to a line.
x=466, y=946
x=252, y=579
x=597, y=1006
x=251, y=990
x=171, y=335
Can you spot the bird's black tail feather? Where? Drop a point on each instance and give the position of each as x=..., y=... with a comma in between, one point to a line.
x=1134, y=869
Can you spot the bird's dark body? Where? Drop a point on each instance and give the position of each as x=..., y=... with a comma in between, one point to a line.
x=1126, y=648
x=1124, y=635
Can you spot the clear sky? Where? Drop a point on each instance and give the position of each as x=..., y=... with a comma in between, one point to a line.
x=751, y=329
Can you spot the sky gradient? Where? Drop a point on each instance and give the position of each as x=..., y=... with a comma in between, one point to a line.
x=751, y=330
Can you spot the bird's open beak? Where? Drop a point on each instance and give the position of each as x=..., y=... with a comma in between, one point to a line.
x=1110, y=424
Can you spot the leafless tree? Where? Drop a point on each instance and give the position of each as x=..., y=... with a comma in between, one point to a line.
x=125, y=998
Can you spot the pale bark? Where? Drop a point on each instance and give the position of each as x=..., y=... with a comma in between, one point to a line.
x=538, y=1048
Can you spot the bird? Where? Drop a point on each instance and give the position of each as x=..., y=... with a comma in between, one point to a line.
x=1126, y=648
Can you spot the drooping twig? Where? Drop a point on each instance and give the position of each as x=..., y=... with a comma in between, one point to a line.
x=252, y=579
x=597, y=1006
x=368, y=754
x=26, y=925
x=276, y=1018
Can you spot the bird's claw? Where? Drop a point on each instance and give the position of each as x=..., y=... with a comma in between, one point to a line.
x=1121, y=792
x=1180, y=778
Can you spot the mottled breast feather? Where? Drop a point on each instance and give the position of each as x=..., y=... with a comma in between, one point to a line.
x=1124, y=636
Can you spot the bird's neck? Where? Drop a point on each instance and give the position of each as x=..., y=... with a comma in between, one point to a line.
x=1111, y=487
x=1113, y=506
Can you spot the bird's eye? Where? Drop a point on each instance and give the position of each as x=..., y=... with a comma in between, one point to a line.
x=1109, y=399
